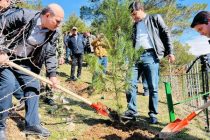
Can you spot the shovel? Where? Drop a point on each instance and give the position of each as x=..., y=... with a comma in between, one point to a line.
x=178, y=124
x=99, y=107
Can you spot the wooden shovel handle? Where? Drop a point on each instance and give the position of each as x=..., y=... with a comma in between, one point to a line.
x=206, y=105
x=10, y=63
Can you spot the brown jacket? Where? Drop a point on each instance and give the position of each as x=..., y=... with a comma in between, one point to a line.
x=100, y=46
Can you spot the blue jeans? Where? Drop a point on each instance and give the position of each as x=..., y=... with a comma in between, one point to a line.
x=18, y=94
x=8, y=85
x=145, y=85
x=103, y=61
x=149, y=65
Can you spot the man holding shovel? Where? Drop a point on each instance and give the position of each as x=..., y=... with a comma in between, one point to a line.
x=31, y=38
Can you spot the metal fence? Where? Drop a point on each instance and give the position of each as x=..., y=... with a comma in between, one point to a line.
x=187, y=88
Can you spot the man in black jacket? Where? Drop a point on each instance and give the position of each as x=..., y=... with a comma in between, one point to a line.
x=150, y=34
x=30, y=41
x=76, y=43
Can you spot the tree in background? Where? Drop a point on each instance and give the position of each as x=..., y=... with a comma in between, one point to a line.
x=74, y=20
x=176, y=17
x=29, y=4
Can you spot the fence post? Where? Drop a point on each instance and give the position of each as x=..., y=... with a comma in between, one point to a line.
x=169, y=101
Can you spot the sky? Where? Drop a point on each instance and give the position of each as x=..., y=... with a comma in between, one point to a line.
x=69, y=6
x=199, y=44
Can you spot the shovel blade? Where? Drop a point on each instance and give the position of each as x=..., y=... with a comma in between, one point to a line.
x=105, y=111
x=100, y=109
x=181, y=125
x=169, y=128
x=173, y=128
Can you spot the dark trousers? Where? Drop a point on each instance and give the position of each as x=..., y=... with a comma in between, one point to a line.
x=77, y=60
x=68, y=53
x=31, y=88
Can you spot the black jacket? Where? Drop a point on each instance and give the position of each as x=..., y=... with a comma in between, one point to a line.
x=158, y=33
x=77, y=47
x=17, y=29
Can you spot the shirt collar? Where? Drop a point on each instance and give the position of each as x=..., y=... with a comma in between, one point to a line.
x=38, y=24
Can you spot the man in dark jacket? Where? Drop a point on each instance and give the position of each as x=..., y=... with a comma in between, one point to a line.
x=76, y=43
x=150, y=34
x=30, y=39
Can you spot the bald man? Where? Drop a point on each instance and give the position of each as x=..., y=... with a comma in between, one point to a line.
x=31, y=41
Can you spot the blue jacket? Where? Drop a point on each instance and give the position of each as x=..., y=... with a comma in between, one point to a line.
x=17, y=28
x=77, y=47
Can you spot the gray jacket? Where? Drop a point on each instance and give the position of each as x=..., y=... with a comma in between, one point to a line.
x=17, y=29
x=159, y=35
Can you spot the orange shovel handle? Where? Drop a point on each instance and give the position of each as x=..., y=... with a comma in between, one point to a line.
x=191, y=116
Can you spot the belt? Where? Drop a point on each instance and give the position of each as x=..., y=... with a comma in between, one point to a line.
x=149, y=50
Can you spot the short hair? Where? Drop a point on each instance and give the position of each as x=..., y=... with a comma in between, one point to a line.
x=135, y=6
x=201, y=18
x=47, y=10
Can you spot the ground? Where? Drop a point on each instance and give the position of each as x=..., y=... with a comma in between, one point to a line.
x=72, y=119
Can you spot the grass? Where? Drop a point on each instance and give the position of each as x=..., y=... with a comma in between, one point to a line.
x=71, y=120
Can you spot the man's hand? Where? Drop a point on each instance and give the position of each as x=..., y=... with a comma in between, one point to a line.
x=54, y=81
x=61, y=61
x=171, y=58
x=3, y=58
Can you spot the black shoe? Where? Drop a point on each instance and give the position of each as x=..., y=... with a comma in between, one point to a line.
x=37, y=130
x=49, y=101
x=130, y=115
x=3, y=134
x=21, y=106
x=153, y=120
x=71, y=79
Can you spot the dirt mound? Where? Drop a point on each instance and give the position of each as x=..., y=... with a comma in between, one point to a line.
x=117, y=132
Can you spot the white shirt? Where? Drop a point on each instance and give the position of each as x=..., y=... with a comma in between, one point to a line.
x=142, y=37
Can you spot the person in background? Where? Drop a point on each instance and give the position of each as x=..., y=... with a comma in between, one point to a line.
x=67, y=49
x=76, y=43
x=88, y=40
x=156, y=43
x=100, y=46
